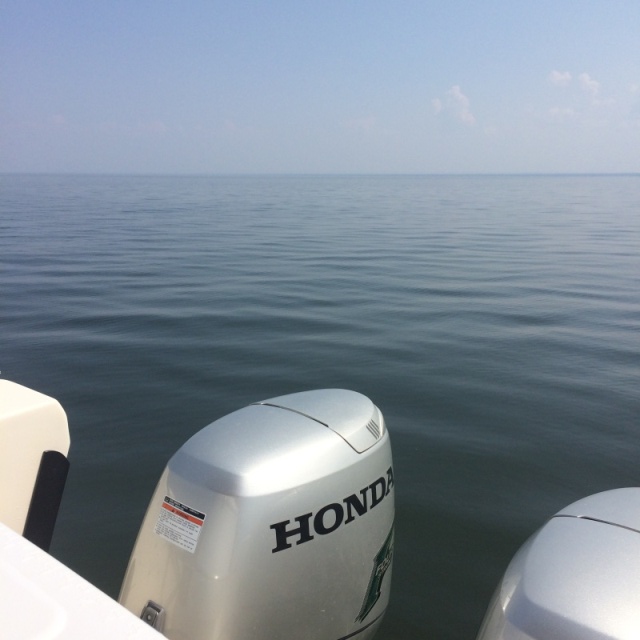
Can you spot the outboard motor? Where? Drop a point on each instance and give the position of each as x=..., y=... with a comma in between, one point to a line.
x=577, y=578
x=275, y=521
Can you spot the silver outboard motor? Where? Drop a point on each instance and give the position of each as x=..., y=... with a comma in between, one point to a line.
x=577, y=578
x=275, y=521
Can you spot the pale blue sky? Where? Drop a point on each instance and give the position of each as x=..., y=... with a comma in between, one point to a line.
x=320, y=87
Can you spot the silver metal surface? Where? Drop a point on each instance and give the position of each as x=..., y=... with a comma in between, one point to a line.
x=352, y=416
x=620, y=506
x=577, y=578
x=153, y=615
x=275, y=521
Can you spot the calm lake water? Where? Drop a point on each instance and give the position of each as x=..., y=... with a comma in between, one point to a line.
x=494, y=320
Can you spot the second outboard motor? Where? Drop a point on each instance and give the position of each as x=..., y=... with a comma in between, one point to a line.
x=577, y=578
x=275, y=521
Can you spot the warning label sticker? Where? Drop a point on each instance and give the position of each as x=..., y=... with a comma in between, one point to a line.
x=179, y=524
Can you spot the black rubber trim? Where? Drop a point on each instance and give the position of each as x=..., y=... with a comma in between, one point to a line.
x=46, y=498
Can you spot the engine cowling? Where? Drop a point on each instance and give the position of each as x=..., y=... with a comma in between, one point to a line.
x=275, y=521
x=577, y=578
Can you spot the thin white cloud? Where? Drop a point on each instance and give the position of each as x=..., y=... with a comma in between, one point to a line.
x=588, y=84
x=560, y=78
x=460, y=105
x=585, y=100
x=456, y=104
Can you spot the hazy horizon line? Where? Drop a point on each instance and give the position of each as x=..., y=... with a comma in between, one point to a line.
x=276, y=174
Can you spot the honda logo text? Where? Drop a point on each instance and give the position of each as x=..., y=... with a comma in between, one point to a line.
x=332, y=516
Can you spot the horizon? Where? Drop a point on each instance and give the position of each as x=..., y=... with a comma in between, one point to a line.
x=322, y=175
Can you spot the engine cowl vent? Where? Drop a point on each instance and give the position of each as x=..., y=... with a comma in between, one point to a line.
x=373, y=429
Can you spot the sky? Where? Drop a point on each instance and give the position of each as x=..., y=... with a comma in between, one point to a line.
x=349, y=86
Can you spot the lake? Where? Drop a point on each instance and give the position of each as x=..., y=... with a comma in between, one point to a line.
x=495, y=320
